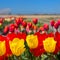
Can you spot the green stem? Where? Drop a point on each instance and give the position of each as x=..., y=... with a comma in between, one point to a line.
x=28, y=50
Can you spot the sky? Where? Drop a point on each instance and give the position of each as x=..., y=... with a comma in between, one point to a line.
x=30, y=6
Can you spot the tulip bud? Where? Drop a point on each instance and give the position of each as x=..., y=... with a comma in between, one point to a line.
x=24, y=24
x=16, y=25
x=52, y=23
x=29, y=25
x=46, y=26
x=56, y=25
x=12, y=28
x=19, y=20
x=58, y=22
x=1, y=20
x=35, y=21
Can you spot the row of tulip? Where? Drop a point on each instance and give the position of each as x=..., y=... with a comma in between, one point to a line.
x=37, y=44
x=20, y=25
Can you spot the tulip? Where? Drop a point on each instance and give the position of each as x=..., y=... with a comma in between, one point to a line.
x=29, y=24
x=56, y=25
x=32, y=41
x=39, y=50
x=58, y=22
x=16, y=25
x=19, y=20
x=15, y=43
x=1, y=20
x=9, y=38
x=49, y=44
x=11, y=27
x=6, y=29
x=2, y=46
x=21, y=36
x=52, y=22
x=35, y=21
x=17, y=46
x=24, y=24
x=46, y=26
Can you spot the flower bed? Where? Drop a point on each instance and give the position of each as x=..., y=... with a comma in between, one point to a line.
x=29, y=40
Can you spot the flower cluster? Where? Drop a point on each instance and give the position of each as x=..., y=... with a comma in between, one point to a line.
x=22, y=38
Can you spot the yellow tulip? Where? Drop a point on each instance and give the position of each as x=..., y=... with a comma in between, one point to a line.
x=32, y=41
x=49, y=44
x=17, y=46
x=2, y=48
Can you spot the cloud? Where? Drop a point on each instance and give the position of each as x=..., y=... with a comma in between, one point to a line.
x=5, y=11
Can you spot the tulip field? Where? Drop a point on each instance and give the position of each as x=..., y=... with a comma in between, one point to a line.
x=29, y=39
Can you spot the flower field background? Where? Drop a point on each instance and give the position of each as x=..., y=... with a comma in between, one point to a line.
x=23, y=38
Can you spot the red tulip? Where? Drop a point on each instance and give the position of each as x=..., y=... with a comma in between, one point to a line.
x=29, y=24
x=1, y=20
x=46, y=26
x=35, y=21
x=57, y=38
x=9, y=37
x=19, y=20
x=21, y=36
x=6, y=29
x=58, y=21
x=16, y=26
x=2, y=58
x=56, y=25
x=40, y=49
x=2, y=38
x=52, y=23
x=11, y=27
x=24, y=24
